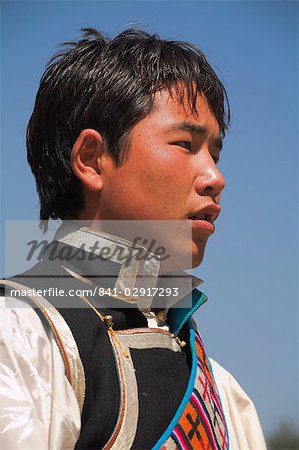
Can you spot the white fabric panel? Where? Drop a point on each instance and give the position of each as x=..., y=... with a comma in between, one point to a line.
x=38, y=407
x=245, y=432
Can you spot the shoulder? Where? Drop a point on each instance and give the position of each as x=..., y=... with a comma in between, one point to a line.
x=243, y=424
x=229, y=384
x=26, y=341
x=18, y=320
x=33, y=382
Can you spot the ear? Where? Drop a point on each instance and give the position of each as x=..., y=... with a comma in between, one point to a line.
x=86, y=156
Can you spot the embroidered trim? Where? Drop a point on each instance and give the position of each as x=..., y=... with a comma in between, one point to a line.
x=185, y=400
x=112, y=442
x=149, y=340
x=202, y=422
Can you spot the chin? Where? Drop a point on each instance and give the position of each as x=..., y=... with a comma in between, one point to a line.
x=196, y=261
x=197, y=254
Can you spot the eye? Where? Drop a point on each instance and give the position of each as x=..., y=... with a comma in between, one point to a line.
x=215, y=159
x=185, y=144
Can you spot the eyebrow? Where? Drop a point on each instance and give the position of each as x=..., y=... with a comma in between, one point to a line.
x=196, y=129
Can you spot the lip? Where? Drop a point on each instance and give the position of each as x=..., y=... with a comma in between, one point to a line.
x=212, y=211
x=202, y=225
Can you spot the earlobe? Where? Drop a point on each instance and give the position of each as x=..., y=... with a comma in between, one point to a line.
x=86, y=159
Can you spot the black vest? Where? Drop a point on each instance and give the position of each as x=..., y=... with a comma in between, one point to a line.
x=162, y=375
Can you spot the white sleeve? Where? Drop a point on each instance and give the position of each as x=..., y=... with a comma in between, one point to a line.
x=38, y=407
x=244, y=428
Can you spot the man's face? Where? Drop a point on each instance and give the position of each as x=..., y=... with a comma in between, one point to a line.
x=170, y=171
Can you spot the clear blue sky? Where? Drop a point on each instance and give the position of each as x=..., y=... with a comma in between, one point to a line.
x=250, y=321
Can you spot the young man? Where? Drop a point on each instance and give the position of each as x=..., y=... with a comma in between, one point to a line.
x=128, y=129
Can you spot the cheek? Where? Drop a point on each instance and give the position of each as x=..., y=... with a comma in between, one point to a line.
x=151, y=180
x=164, y=172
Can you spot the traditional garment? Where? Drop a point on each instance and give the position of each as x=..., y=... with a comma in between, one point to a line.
x=160, y=396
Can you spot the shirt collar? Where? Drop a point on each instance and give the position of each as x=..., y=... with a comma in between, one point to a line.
x=135, y=273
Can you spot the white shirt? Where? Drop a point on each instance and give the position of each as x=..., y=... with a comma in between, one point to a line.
x=38, y=407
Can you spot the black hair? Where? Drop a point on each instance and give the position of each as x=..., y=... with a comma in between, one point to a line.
x=107, y=85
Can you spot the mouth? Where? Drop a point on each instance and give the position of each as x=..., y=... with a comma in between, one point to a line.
x=204, y=220
x=207, y=217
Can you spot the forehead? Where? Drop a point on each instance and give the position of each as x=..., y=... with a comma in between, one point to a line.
x=171, y=109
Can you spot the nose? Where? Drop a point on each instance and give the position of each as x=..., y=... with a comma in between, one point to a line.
x=211, y=182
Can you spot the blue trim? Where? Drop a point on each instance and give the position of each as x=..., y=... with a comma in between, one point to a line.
x=227, y=433
x=178, y=316
x=187, y=395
